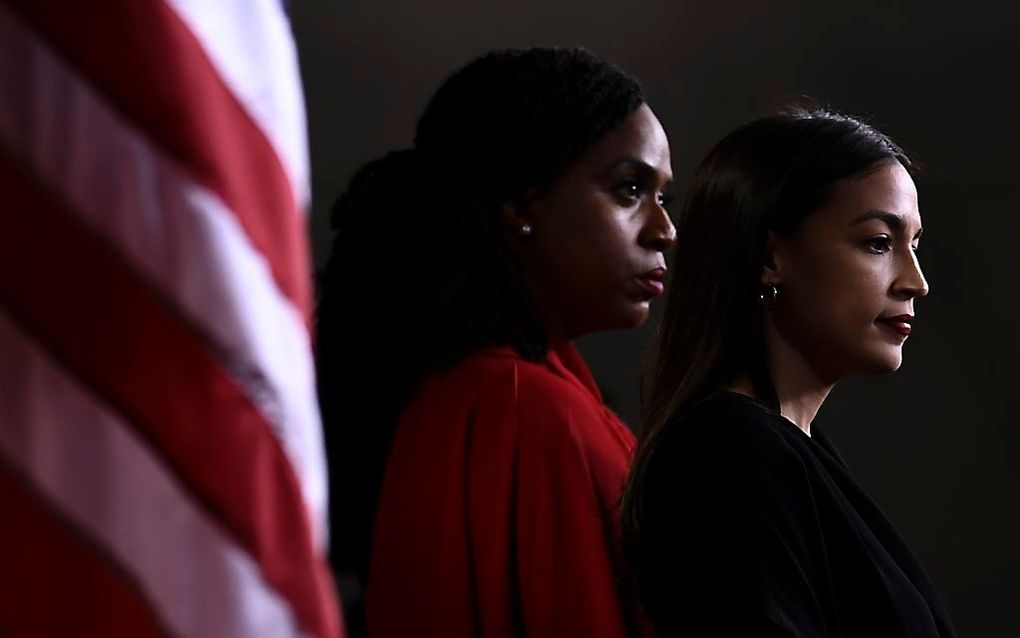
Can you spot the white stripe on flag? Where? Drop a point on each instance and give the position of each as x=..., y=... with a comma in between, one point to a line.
x=179, y=235
x=250, y=44
x=93, y=467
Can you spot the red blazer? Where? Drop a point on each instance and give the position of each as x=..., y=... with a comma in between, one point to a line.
x=499, y=509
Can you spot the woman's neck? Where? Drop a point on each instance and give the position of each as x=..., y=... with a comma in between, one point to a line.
x=799, y=387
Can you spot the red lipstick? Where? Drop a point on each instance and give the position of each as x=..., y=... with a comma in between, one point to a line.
x=899, y=324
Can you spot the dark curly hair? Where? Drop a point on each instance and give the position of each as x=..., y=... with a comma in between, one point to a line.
x=419, y=276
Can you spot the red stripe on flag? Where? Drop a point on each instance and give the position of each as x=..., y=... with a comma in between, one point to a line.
x=56, y=583
x=151, y=66
x=126, y=343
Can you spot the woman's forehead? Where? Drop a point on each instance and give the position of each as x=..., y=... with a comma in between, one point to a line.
x=887, y=194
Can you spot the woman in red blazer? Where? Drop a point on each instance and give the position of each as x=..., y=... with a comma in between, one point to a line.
x=476, y=470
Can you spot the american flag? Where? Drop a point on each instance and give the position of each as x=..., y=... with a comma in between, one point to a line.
x=161, y=463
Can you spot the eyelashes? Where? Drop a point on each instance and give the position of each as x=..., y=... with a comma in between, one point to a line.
x=879, y=245
x=882, y=244
x=631, y=192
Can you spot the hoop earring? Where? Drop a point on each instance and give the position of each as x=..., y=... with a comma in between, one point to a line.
x=768, y=298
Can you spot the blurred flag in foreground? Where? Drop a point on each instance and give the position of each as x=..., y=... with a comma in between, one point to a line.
x=161, y=464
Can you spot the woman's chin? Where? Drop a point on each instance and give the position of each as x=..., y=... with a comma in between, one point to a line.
x=636, y=316
x=884, y=362
x=631, y=316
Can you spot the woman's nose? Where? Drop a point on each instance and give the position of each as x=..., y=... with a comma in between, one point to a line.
x=658, y=233
x=911, y=282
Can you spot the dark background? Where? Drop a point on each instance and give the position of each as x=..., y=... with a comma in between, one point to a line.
x=935, y=443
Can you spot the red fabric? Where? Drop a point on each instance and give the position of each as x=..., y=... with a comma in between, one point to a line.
x=46, y=566
x=237, y=469
x=190, y=112
x=499, y=508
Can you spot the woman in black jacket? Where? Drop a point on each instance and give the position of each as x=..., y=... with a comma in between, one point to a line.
x=795, y=266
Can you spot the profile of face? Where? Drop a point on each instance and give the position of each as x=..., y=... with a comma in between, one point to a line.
x=592, y=252
x=847, y=280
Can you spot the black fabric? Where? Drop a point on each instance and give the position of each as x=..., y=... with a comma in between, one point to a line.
x=753, y=528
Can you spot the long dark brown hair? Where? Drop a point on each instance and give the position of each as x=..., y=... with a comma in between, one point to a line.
x=766, y=176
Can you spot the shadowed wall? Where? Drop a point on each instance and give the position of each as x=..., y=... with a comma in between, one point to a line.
x=935, y=443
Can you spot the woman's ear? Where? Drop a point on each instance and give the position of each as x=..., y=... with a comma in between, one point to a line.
x=771, y=272
x=518, y=215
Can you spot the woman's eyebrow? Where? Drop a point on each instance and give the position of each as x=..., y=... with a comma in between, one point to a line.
x=642, y=167
x=894, y=221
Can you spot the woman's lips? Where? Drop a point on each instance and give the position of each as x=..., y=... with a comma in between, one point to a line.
x=653, y=281
x=900, y=324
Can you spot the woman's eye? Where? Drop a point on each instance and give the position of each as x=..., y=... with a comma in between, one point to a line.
x=665, y=199
x=630, y=191
x=879, y=245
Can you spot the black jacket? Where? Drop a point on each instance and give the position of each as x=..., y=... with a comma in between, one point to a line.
x=753, y=528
